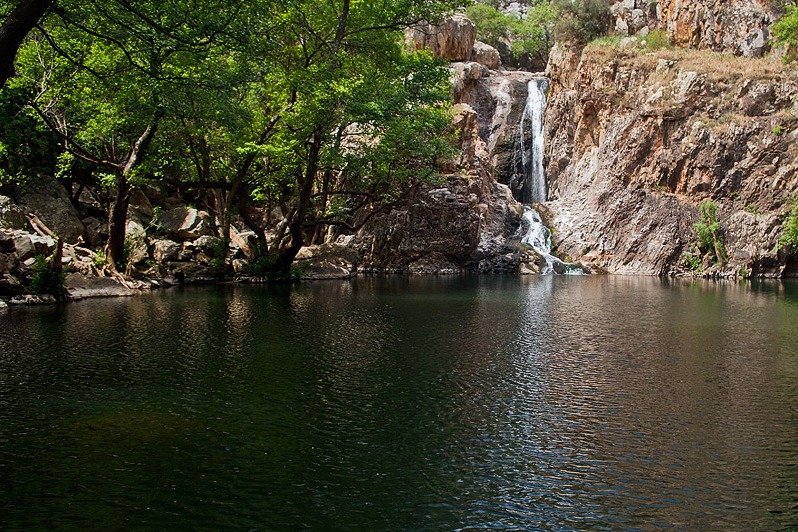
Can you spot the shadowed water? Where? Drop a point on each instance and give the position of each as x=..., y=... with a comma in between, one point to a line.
x=543, y=403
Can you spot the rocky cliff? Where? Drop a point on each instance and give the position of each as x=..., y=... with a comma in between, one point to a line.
x=740, y=27
x=637, y=139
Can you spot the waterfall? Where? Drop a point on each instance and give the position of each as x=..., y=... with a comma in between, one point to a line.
x=536, y=235
x=530, y=176
x=532, y=179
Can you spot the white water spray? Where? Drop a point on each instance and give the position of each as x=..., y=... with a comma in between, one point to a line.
x=537, y=236
x=530, y=143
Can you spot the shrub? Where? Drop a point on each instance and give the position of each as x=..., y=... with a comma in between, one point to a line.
x=658, y=40
x=789, y=236
x=265, y=267
x=581, y=20
x=708, y=230
x=692, y=262
x=785, y=30
x=47, y=280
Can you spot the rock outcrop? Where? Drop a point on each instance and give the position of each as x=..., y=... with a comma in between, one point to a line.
x=46, y=197
x=452, y=39
x=741, y=27
x=466, y=222
x=634, y=17
x=637, y=140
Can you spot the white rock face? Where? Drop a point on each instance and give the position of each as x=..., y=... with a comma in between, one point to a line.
x=453, y=39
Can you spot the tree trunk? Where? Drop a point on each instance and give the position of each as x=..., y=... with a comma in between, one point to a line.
x=15, y=28
x=117, y=221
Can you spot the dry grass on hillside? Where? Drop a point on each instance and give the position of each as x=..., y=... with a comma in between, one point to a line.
x=716, y=66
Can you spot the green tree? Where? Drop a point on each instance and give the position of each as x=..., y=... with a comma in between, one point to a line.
x=785, y=30
x=361, y=120
x=17, y=23
x=493, y=26
x=103, y=74
x=532, y=34
x=314, y=109
x=581, y=20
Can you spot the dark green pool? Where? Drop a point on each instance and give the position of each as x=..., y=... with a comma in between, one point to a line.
x=553, y=403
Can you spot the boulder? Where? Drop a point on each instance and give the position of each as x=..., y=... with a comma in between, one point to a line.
x=48, y=199
x=10, y=285
x=486, y=55
x=8, y=262
x=6, y=241
x=328, y=261
x=452, y=39
x=246, y=241
x=29, y=245
x=185, y=223
x=136, y=243
x=81, y=286
x=96, y=231
x=140, y=208
x=165, y=250
x=11, y=216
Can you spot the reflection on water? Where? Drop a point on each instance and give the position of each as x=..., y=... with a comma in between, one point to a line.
x=399, y=403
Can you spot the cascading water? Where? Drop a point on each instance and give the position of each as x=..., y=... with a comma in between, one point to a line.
x=529, y=149
x=530, y=176
x=536, y=235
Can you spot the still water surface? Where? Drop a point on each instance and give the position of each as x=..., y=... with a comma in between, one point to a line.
x=546, y=403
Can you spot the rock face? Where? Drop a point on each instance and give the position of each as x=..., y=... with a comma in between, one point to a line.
x=452, y=39
x=499, y=99
x=463, y=223
x=11, y=216
x=636, y=141
x=737, y=26
x=634, y=17
x=46, y=197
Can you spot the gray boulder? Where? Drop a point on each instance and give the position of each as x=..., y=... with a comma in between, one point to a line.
x=11, y=216
x=185, y=223
x=48, y=199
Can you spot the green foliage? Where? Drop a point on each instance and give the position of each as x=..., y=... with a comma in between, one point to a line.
x=266, y=267
x=581, y=20
x=533, y=34
x=658, y=40
x=100, y=260
x=785, y=30
x=315, y=108
x=46, y=280
x=777, y=130
x=708, y=231
x=692, y=262
x=493, y=26
x=218, y=253
x=789, y=236
x=26, y=147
